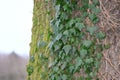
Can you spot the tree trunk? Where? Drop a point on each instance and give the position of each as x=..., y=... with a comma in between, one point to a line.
x=38, y=45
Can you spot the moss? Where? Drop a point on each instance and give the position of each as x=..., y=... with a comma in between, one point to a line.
x=39, y=34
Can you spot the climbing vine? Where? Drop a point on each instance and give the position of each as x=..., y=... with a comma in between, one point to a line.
x=75, y=46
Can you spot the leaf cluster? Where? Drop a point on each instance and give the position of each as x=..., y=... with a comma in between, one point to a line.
x=70, y=48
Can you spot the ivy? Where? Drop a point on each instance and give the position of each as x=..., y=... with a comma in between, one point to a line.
x=70, y=48
x=72, y=42
x=30, y=70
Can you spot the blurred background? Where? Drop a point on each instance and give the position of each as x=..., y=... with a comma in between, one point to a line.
x=15, y=36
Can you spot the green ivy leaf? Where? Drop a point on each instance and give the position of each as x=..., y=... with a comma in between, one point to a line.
x=85, y=4
x=32, y=59
x=55, y=69
x=57, y=24
x=30, y=69
x=88, y=61
x=100, y=35
x=72, y=31
x=63, y=65
x=57, y=47
x=71, y=22
x=80, y=26
x=64, y=77
x=87, y=43
x=64, y=16
x=83, y=17
x=64, y=39
x=65, y=7
x=51, y=44
x=57, y=7
x=79, y=62
x=71, y=69
x=92, y=30
x=73, y=50
x=42, y=44
x=93, y=18
x=94, y=9
x=59, y=36
x=67, y=48
x=98, y=55
x=91, y=6
x=97, y=64
x=66, y=33
x=83, y=53
x=95, y=2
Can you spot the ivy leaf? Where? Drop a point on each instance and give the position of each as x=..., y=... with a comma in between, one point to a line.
x=55, y=69
x=64, y=39
x=83, y=53
x=64, y=16
x=72, y=31
x=93, y=18
x=96, y=2
x=71, y=69
x=99, y=55
x=71, y=22
x=56, y=47
x=87, y=43
x=57, y=11
x=32, y=59
x=74, y=50
x=96, y=10
x=79, y=62
x=80, y=26
x=64, y=77
x=59, y=36
x=83, y=17
x=88, y=61
x=97, y=64
x=66, y=33
x=65, y=7
x=85, y=4
x=30, y=70
x=42, y=44
x=51, y=44
x=67, y=48
x=63, y=66
x=57, y=23
x=100, y=35
x=91, y=6
x=91, y=30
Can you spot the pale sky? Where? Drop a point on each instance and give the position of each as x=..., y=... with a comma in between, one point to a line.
x=15, y=26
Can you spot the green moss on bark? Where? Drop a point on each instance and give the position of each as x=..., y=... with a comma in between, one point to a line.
x=38, y=62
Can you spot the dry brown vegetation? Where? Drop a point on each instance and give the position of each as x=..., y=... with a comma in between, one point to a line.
x=12, y=67
x=110, y=23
